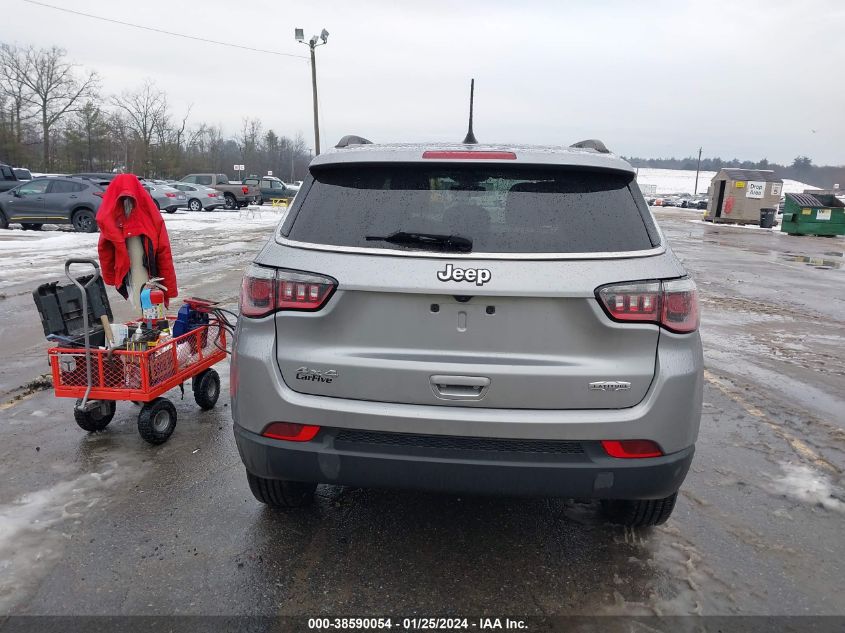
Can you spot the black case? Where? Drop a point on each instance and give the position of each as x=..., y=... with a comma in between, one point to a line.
x=60, y=307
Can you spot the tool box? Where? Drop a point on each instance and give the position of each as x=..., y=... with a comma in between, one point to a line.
x=61, y=306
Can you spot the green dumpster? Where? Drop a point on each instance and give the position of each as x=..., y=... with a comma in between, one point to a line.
x=818, y=213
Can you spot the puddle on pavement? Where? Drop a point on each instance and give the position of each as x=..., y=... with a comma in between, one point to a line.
x=822, y=263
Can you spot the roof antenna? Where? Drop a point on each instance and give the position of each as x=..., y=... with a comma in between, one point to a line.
x=470, y=139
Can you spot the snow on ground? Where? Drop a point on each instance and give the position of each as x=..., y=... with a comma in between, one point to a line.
x=28, y=254
x=683, y=181
x=222, y=220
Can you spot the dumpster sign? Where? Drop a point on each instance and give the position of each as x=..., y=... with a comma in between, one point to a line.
x=776, y=188
x=755, y=189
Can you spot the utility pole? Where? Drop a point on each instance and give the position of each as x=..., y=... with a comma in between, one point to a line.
x=313, y=43
x=697, y=169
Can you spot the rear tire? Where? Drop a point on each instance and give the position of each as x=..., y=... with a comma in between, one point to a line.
x=4, y=222
x=230, y=203
x=195, y=205
x=157, y=421
x=95, y=420
x=277, y=493
x=84, y=221
x=206, y=388
x=640, y=512
x=158, y=206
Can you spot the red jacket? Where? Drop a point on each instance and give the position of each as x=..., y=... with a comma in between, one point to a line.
x=145, y=220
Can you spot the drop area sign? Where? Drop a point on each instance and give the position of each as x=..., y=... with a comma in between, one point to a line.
x=755, y=189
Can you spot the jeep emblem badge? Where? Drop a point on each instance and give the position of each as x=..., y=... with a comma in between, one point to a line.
x=478, y=275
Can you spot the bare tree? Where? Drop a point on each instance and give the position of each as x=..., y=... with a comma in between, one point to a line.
x=13, y=61
x=51, y=86
x=146, y=113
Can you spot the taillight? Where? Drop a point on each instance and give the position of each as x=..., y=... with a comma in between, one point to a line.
x=671, y=304
x=290, y=431
x=267, y=290
x=245, y=190
x=212, y=195
x=631, y=449
x=169, y=194
x=99, y=194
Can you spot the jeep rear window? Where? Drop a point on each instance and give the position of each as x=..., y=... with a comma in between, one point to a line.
x=501, y=209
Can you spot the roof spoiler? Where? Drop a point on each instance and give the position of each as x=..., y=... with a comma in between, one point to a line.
x=592, y=143
x=352, y=139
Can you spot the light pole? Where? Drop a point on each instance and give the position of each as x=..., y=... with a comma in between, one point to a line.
x=697, y=169
x=313, y=43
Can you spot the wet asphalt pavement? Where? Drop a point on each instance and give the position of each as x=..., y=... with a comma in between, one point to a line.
x=106, y=524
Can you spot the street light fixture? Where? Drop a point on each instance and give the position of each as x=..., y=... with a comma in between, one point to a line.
x=313, y=43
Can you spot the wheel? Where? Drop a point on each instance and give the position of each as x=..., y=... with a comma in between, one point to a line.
x=158, y=206
x=157, y=421
x=259, y=201
x=206, y=389
x=29, y=226
x=195, y=205
x=84, y=221
x=277, y=493
x=96, y=419
x=171, y=210
x=640, y=512
x=230, y=203
x=4, y=223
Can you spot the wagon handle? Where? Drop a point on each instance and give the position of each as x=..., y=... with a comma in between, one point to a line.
x=84, y=293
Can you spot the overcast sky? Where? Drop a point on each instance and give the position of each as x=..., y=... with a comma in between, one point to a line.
x=742, y=78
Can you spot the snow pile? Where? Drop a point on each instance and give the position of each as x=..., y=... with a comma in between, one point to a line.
x=683, y=181
x=805, y=484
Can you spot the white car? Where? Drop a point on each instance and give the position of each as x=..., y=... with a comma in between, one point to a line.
x=200, y=197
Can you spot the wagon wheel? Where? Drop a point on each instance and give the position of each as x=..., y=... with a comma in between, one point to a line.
x=157, y=421
x=206, y=386
x=96, y=419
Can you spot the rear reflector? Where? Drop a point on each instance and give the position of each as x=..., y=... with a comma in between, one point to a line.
x=672, y=304
x=267, y=290
x=631, y=449
x=291, y=431
x=465, y=155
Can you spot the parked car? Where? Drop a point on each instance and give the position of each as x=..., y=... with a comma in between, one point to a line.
x=167, y=198
x=97, y=175
x=64, y=200
x=474, y=320
x=234, y=195
x=8, y=179
x=22, y=173
x=199, y=197
x=270, y=187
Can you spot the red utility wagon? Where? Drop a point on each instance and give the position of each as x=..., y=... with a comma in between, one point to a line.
x=98, y=377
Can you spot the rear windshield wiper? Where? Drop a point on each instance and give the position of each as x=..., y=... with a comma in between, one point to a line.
x=432, y=241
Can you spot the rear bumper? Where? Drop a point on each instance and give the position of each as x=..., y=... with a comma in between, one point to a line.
x=589, y=473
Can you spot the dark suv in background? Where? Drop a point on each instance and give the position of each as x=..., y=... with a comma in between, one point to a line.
x=63, y=200
x=8, y=179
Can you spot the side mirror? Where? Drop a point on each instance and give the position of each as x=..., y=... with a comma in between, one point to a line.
x=16, y=193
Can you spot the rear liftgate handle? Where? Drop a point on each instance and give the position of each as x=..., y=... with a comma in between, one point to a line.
x=460, y=387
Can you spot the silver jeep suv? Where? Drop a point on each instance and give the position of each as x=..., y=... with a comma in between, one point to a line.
x=472, y=318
